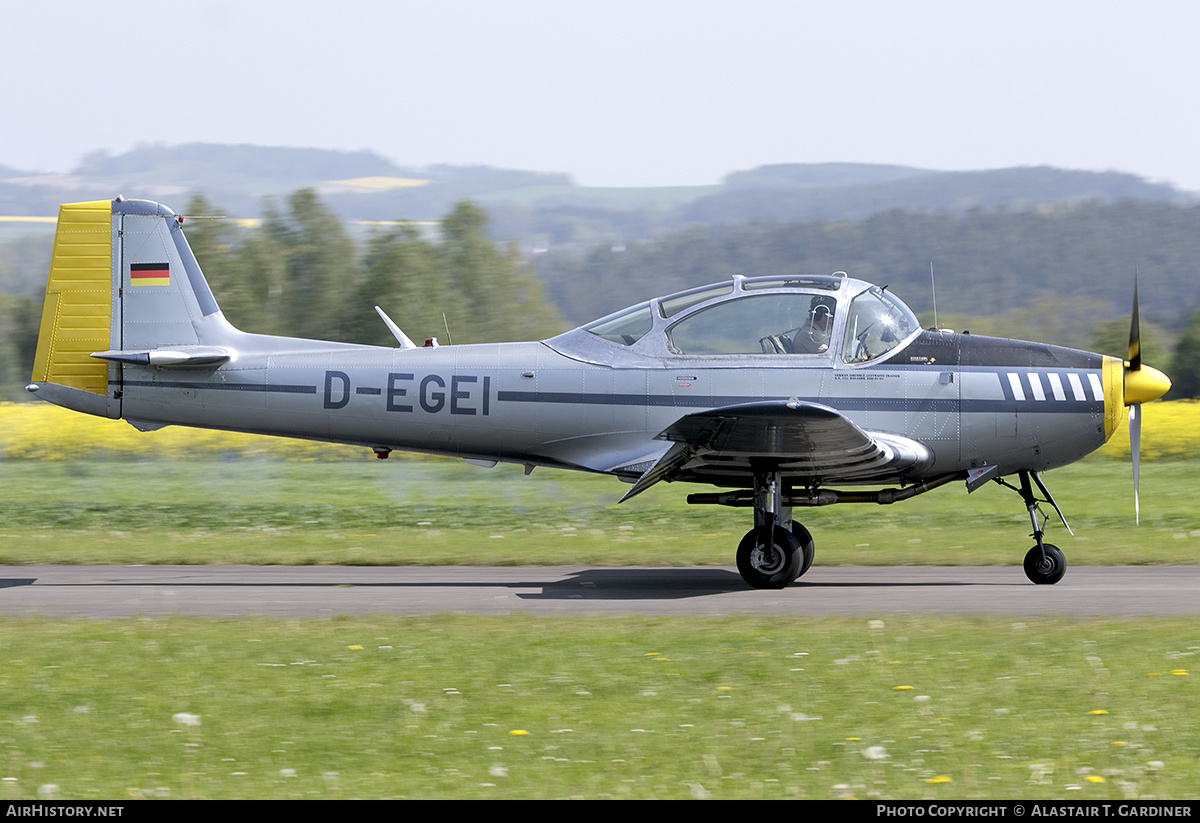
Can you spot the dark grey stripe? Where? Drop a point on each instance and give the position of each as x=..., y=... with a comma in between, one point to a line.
x=282, y=388
x=587, y=399
x=840, y=403
x=1030, y=406
x=895, y=404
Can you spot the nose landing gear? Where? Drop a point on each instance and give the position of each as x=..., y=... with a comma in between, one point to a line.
x=1045, y=563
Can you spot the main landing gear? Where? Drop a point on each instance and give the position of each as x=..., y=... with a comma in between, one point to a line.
x=777, y=550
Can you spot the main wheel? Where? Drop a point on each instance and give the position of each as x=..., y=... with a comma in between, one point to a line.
x=769, y=562
x=806, y=547
x=1048, y=569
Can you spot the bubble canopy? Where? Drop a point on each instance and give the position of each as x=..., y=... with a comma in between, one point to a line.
x=814, y=316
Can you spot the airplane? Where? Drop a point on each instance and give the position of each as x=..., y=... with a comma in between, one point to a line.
x=774, y=389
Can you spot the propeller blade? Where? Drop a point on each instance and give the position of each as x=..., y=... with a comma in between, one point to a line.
x=1135, y=333
x=1135, y=417
x=1135, y=447
x=1141, y=385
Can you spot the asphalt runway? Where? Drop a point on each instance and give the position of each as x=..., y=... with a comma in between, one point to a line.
x=324, y=591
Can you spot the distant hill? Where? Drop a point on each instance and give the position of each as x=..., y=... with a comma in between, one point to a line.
x=548, y=210
x=360, y=185
x=819, y=175
x=850, y=192
x=242, y=168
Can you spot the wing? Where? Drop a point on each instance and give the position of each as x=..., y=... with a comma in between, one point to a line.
x=808, y=442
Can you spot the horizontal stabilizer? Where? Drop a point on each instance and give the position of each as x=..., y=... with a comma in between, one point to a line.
x=179, y=356
x=75, y=399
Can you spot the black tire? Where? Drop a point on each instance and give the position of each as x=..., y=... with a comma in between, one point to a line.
x=1047, y=570
x=772, y=566
x=807, y=548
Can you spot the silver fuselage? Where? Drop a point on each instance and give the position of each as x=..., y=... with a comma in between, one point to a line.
x=971, y=400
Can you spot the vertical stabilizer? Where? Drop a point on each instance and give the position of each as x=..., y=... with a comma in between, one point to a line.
x=164, y=297
x=123, y=286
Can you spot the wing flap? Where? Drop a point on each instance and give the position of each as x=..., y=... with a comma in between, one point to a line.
x=679, y=455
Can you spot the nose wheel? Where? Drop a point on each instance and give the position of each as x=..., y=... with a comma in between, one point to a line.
x=1045, y=564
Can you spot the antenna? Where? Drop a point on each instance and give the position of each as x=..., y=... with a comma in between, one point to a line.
x=933, y=286
x=449, y=339
x=400, y=336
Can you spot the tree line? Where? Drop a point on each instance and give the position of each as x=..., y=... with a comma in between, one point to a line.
x=300, y=273
x=1061, y=274
x=987, y=263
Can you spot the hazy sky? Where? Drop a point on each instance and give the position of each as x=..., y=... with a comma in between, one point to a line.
x=653, y=92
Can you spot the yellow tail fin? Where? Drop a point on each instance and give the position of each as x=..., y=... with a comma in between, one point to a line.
x=77, y=315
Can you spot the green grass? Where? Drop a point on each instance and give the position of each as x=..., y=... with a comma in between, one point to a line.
x=449, y=707
x=623, y=707
x=445, y=512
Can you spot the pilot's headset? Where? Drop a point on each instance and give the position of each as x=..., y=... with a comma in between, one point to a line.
x=820, y=312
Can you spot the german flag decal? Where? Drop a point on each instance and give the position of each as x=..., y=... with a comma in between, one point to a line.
x=149, y=274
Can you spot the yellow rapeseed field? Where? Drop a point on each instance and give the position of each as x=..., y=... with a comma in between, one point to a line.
x=1170, y=429
x=40, y=431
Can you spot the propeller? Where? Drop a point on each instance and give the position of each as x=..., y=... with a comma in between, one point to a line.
x=1141, y=384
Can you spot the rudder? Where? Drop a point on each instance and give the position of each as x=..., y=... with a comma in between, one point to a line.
x=77, y=312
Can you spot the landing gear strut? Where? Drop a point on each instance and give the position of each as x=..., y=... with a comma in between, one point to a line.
x=1045, y=563
x=777, y=550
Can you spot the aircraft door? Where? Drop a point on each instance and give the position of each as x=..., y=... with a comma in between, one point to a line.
x=915, y=392
x=933, y=397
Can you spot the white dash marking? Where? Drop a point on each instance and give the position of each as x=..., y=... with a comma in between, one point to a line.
x=1076, y=386
x=1035, y=385
x=1056, y=386
x=1014, y=380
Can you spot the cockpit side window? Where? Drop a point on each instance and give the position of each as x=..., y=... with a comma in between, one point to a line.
x=792, y=323
x=876, y=324
x=625, y=327
x=676, y=303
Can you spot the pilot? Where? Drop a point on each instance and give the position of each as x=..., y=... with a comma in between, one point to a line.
x=813, y=336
